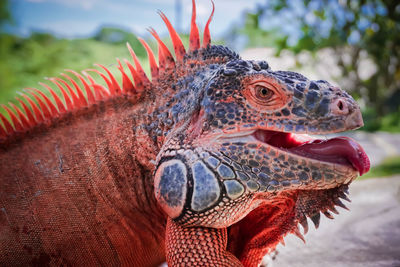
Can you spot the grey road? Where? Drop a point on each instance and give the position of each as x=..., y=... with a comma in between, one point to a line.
x=367, y=235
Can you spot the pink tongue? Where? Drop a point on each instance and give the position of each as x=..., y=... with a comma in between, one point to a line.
x=340, y=150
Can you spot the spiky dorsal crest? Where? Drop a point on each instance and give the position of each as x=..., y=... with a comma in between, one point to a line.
x=207, y=36
x=194, y=40
x=152, y=60
x=73, y=96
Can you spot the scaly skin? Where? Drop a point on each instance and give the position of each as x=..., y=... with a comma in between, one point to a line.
x=78, y=194
x=197, y=167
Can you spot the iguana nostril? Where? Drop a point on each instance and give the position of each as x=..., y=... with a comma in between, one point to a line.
x=340, y=107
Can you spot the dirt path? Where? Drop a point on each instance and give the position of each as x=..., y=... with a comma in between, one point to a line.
x=367, y=235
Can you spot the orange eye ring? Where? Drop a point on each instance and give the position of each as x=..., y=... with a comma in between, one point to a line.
x=265, y=94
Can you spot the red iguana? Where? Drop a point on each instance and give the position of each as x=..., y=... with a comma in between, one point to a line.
x=208, y=163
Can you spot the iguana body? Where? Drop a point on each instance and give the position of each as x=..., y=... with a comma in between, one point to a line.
x=195, y=167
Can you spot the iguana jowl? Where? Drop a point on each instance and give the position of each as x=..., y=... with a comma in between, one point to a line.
x=206, y=164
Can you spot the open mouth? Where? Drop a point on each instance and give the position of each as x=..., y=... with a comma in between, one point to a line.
x=339, y=150
x=265, y=226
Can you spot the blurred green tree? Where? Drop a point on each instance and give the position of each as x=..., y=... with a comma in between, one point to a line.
x=5, y=16
x=355, y=30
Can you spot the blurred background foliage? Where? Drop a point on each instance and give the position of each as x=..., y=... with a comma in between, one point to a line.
x=359, y=34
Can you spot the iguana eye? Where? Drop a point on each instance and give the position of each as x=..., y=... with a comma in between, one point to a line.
x=263, y=92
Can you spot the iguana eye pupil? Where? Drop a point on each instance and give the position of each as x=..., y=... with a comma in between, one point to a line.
x=263, y=92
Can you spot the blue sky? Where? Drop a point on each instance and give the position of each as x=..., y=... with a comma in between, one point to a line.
x=80, y=18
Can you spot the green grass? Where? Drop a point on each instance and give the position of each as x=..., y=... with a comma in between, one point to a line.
x=388, y=167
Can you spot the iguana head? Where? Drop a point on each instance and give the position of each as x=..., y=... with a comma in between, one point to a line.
x=238, y=153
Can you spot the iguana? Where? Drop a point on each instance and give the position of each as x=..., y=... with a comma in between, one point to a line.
x=208, y=163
